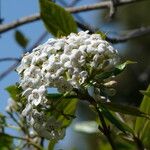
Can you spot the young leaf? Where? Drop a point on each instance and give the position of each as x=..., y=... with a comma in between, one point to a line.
x=21, y=39
x=57, y=20
x=14, y=92
x=125, y=109
x=145, y=93
x=51, y=144
x=142, y=125
x=115, y=121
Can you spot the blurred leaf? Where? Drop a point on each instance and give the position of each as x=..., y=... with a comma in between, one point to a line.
x=117, y=70
x=21, y=39
x=63, y=107
x=115, y=121
x=125, y=109
x=103, y=35
x=122, y=66
x=15, y=92
x=51, y=144
x=57, y=96
x=68, y=108
x=142, y=125
x=145, y=93
x=6, y=142
x=86, y=127
x=57, y=20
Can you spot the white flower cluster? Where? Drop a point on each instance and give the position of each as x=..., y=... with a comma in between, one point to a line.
x=66, y=64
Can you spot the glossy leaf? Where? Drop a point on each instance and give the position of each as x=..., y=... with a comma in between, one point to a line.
x=142, y=125
x=125, y=109
x=115, y=121
x=57, y=20
x=21, y=39
x=117, y=70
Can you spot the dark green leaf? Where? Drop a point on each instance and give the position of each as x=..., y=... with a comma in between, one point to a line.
x=117, y=70
x=6, y=142
x=57, y=20
x=21, y=39
x=56, y=96
x=125, y=109
x=115, y=121
x=142, y=125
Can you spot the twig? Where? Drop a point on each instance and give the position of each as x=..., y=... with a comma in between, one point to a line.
x=9, y=59
x=41, y=38
x=122, y=37
x=5, y=73
x=129, y=35
x=139, y=143
x=35, y=17
x=104, y=129
x=29, y=141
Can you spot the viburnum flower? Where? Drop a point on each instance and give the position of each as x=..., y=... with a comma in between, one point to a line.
x=65, y=63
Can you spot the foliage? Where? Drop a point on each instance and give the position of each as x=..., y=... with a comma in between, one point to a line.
x=57, y=21
x=51, y=119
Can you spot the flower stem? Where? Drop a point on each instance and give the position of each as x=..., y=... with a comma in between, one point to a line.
x=138, y=143
x=105, y=130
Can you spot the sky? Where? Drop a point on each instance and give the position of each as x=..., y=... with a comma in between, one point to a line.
x=12, y=10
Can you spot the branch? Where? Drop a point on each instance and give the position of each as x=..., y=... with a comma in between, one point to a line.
x=9, y=59
x=11, y=68
x=4, y=74
x=120, y=38
x=36, y=17
x=129, y=35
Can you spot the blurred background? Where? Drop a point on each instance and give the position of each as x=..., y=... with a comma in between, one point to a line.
x=136, y=77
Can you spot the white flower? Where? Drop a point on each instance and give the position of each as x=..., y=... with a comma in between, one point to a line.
x=66, y=64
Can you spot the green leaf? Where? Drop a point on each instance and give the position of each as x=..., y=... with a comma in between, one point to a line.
x=15, y=92
x=63, y=107
x=21, y=39
x=117, y=70
x=122, y=66
x=125, y=109
x=115, y=121
x=142, y=125
x=145, y=93
x=103, y=35
x=68, y=107
x=86, y=127
x=6, y=142
x=51, y=144
x=57, y=20
x=57, y=96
